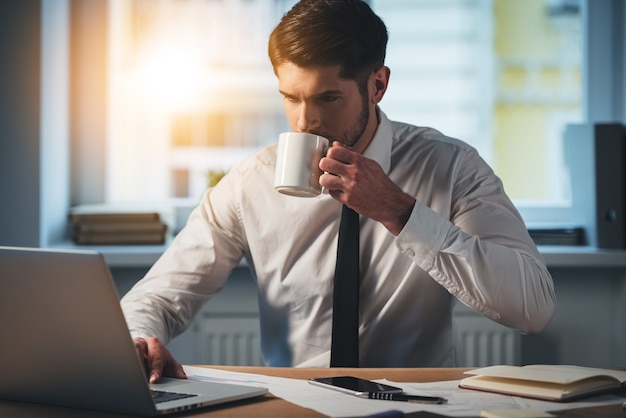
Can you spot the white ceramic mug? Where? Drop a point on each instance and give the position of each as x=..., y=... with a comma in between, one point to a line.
x=297, y=163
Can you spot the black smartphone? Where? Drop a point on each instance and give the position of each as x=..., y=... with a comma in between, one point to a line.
x=354, y=385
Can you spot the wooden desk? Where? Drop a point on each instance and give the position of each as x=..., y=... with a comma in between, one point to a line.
x=270, y=406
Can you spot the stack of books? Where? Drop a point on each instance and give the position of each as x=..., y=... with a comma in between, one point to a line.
x=558, y=235
x=117, y=228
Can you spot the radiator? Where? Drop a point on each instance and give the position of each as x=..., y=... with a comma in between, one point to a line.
x=234, y=339
x=230, y=340
x=486, y=343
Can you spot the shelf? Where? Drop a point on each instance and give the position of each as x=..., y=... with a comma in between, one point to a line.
x=143, y=256
x=121, y=255
x=583, y=256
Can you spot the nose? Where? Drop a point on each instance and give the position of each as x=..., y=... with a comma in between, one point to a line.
x=308, y=118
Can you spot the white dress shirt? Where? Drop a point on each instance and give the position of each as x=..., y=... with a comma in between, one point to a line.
x=464, y=239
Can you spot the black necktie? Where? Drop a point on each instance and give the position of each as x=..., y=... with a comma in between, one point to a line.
x=344, y=350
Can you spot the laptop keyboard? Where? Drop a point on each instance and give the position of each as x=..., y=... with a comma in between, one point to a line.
x=162, y=396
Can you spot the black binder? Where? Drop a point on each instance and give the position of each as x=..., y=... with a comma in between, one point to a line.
x=610, y=162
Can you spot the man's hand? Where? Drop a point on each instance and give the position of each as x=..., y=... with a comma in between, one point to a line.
x=157, y=360
x=361, y=184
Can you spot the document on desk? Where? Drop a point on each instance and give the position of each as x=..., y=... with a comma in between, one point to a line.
x=461, y=402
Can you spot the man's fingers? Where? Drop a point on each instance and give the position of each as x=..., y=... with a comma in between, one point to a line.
x=155, y=359
x=337, y=157
x=174, y=369
x=340, y=165
x=146, y=350
x=142, y=351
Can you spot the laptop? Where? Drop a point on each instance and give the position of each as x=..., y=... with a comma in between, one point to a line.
x=65, y=341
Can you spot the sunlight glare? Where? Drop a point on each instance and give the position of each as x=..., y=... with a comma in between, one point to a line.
x=171, y=77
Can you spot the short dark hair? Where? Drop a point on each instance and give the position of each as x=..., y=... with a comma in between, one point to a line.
x=328, y=33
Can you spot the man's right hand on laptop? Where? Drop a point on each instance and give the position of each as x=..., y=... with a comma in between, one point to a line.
x=157, y=360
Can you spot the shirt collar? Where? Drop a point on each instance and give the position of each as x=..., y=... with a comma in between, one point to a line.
x=379, y=148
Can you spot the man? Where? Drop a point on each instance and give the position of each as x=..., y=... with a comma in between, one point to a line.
x=435, y=222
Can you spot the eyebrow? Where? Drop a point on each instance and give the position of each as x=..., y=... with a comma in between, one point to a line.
x=317, y=95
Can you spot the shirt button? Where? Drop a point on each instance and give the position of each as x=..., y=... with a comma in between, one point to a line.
x=410, y=253
x=454, y=290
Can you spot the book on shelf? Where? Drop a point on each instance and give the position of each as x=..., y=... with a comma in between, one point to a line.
x=139, y=238
x=558, y=236
x=115, y=217
x=85, y=228
x=548, y=382
x=102, y=227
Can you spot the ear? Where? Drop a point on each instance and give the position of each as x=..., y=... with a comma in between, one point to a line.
x=380, y=83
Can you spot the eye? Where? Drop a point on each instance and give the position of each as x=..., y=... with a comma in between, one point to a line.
x=329, y=98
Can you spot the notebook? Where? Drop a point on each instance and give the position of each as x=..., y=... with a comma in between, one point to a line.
x=549, y=382
x=65, y=341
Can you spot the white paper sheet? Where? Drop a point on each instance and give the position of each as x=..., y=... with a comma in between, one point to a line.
x=461, y=402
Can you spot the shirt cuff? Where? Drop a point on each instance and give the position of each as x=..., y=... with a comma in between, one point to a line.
x=423, y=235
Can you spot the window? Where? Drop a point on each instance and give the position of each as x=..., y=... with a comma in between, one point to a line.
x=191, y=91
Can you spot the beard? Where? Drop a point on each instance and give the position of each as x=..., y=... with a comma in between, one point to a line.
x=351, y=136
